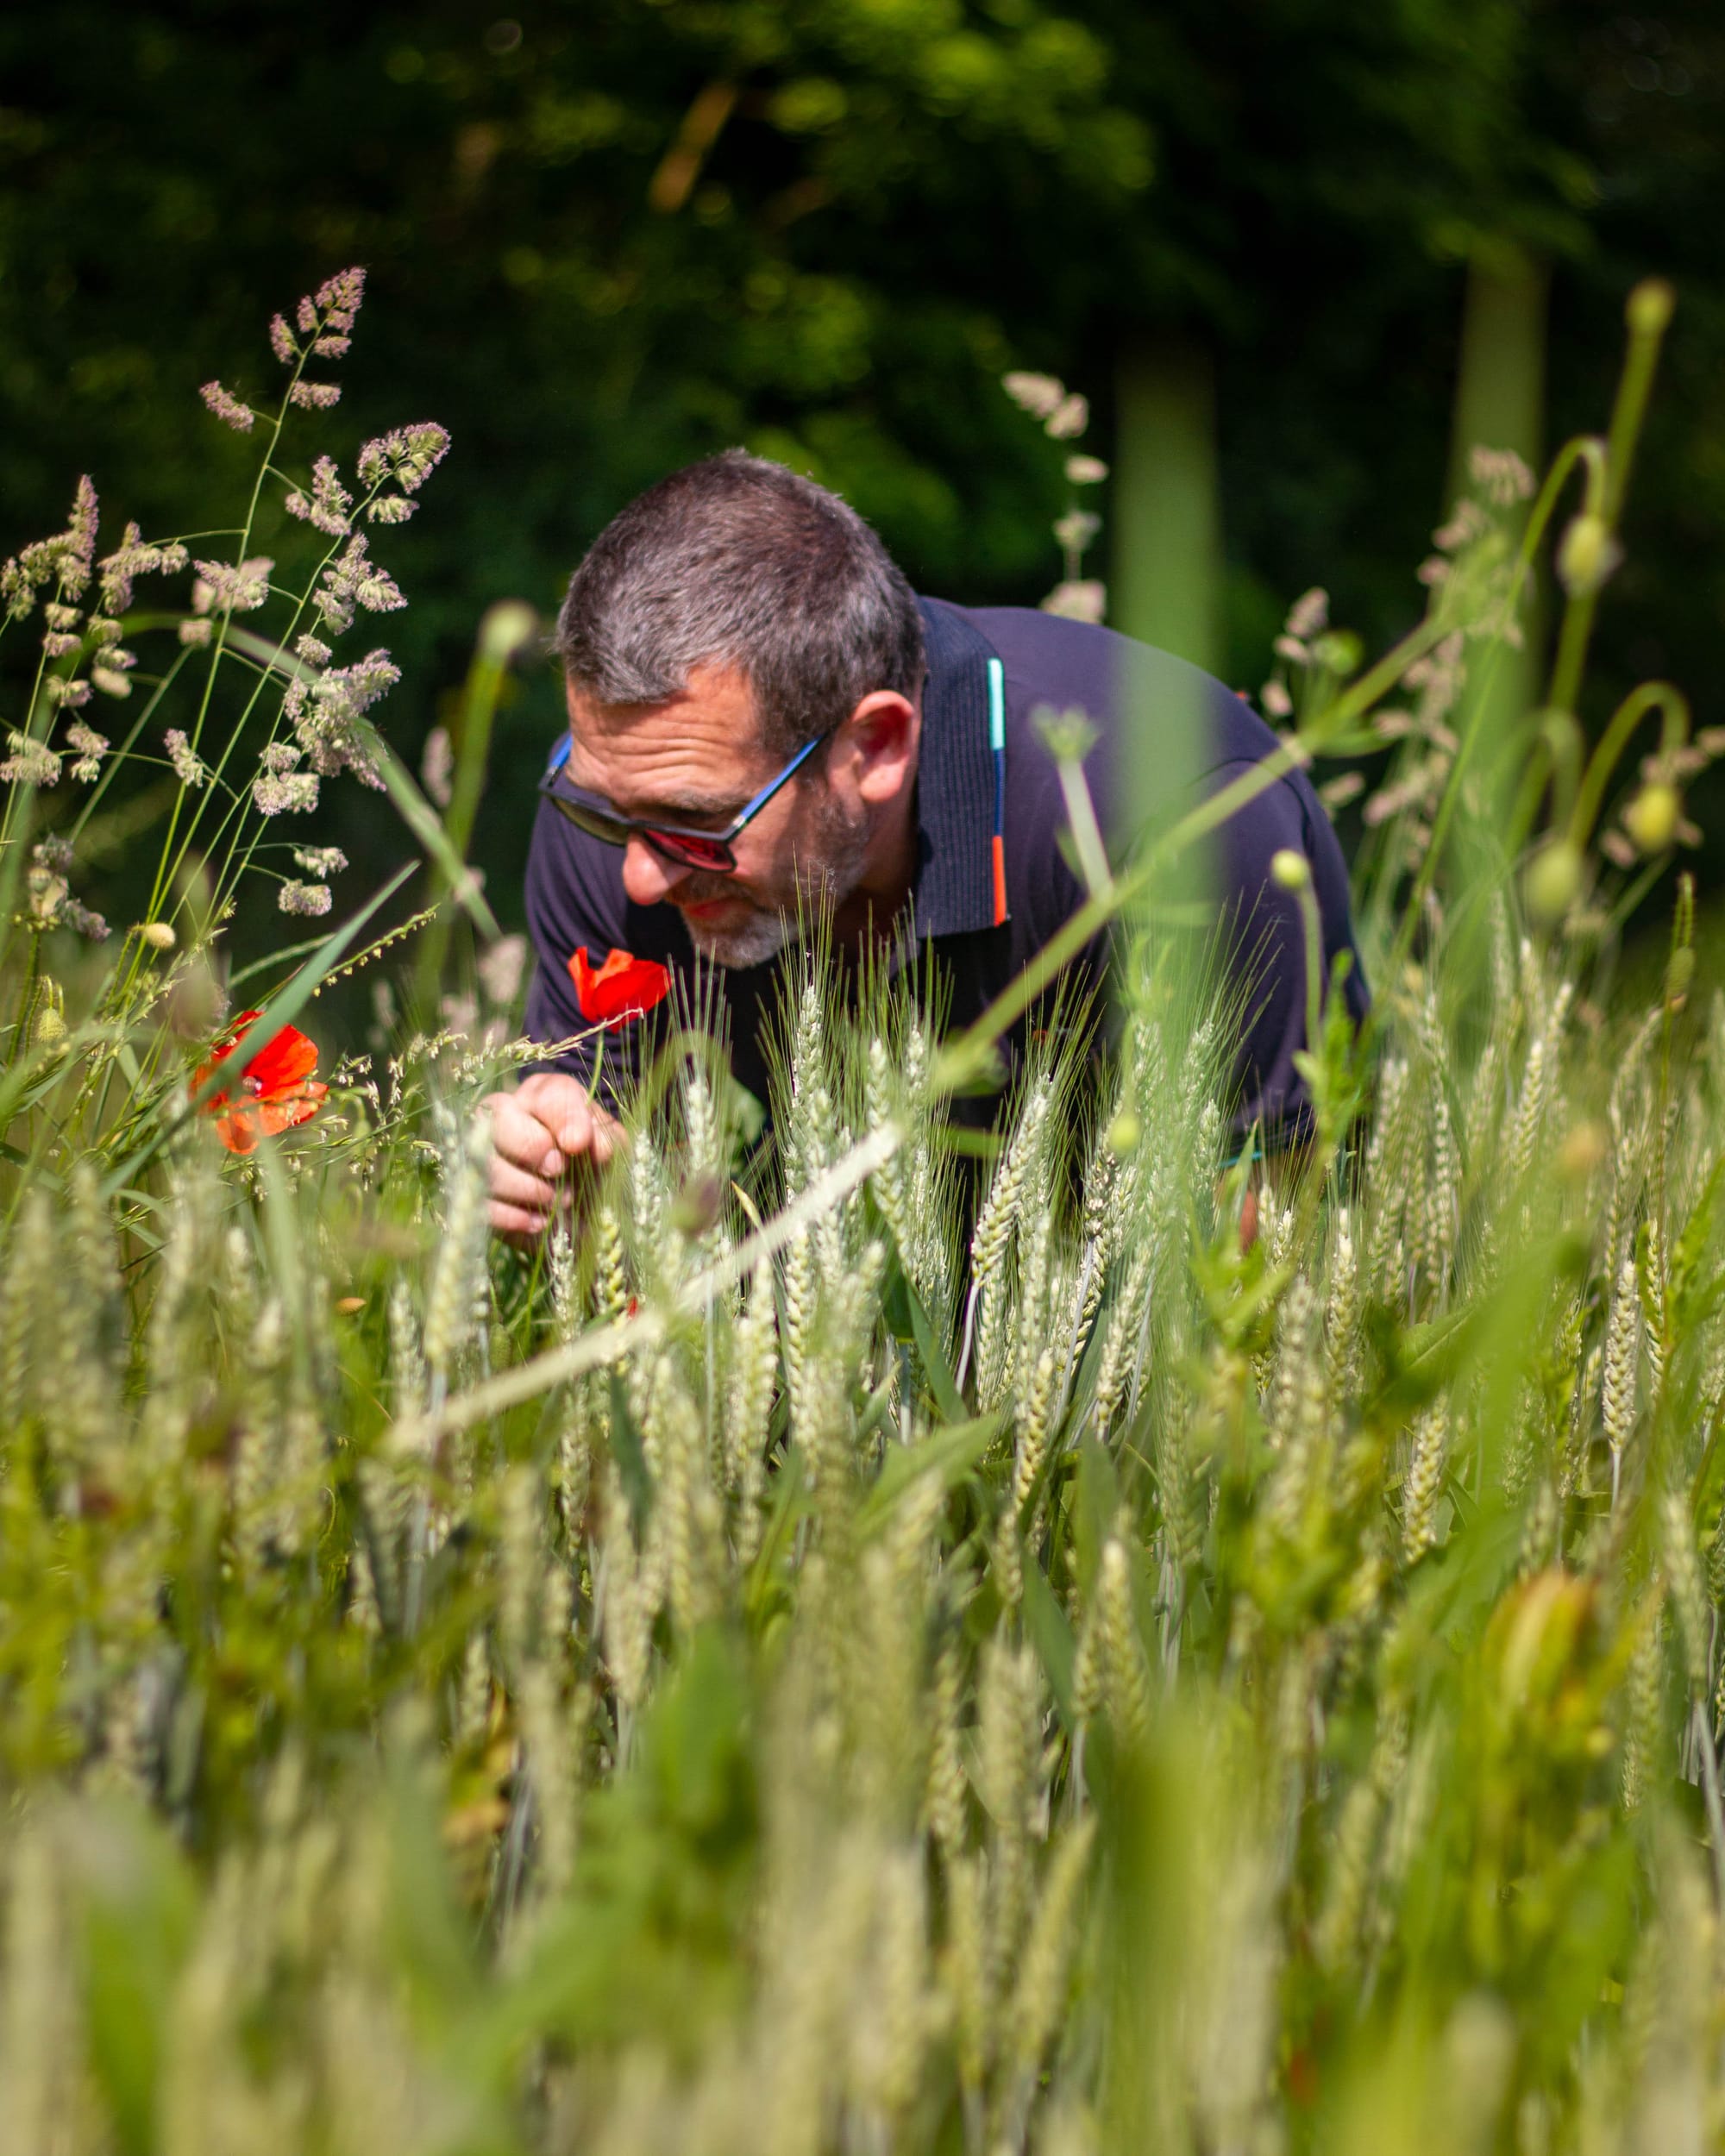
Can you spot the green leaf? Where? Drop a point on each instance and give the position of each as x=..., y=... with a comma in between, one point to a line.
x=1051, y=1636
x=628, y=1451
x=138, y=1910
x=422, y=820
x=1095, y=1508
x=908, y=1320
x=1691, y=1244
x=950, y=1455
x=788, y=1508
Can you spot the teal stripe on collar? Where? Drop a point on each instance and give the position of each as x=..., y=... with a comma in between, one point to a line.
x=956, y=780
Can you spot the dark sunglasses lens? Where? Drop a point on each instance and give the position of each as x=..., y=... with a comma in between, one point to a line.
x=689, y=850
x=594, y=822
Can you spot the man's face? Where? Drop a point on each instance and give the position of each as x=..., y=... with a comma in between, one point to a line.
x=695, y=761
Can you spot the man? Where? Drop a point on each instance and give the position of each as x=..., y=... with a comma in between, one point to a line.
x=764, y=718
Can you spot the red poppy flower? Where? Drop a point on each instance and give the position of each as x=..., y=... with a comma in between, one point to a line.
x=277, y=1091
x=624, y=987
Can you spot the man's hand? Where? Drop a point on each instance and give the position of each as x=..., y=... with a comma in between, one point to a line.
x=538, y=1133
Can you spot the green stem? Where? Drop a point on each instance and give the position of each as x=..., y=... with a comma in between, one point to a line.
x=1627, y=413
x=1560, y=737
x=479, y=712
x=166, y=870
x=1650, y=696
x=27, y=994
x=112, y=761
x=1589, y=452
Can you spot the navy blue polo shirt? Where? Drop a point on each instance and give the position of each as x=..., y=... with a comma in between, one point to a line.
x=1167, y=735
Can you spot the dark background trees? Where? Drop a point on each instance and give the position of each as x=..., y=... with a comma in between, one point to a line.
x=1299, y=253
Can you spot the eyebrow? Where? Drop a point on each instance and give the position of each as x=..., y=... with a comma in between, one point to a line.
x=666, y=807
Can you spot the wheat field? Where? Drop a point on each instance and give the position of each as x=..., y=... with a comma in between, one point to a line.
x=1079, y=1638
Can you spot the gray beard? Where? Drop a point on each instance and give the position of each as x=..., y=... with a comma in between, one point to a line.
x=752, y=943
x=766, y=933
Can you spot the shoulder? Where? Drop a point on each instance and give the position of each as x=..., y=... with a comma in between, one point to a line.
x=1119, y=683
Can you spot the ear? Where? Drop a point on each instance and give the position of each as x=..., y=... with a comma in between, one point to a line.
x=874, y=752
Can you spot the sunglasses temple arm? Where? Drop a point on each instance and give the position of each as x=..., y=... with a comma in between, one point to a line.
x=760, y=801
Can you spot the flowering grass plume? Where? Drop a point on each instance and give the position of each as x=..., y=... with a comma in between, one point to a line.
x=237, y=676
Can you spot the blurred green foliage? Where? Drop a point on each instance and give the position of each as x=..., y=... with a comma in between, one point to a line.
x=607, y=237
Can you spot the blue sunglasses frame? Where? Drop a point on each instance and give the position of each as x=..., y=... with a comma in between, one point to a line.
x=710, y=851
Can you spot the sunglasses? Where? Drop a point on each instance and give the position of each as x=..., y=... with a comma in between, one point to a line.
x=709, y=851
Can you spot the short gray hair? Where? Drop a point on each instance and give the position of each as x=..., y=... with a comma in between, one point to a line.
x=738, y=562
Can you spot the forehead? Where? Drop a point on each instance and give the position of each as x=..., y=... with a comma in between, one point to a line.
x=699, y=748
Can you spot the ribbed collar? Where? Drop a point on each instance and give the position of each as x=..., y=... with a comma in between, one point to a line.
x=954, y=887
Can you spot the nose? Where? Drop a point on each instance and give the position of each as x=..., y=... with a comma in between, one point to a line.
x=648, y=877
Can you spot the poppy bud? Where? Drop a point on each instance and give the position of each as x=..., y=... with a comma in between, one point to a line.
x=1339, y=651
x=1651, y=818
x=1125, y=1133
x=1554, y=882
x=195, y=1003
x=1581, y=1152
x=1291, y=870
x=1649, y=307
x=507, y=628
x=1679, y=973
x=1587, y=554
x=696, y=1206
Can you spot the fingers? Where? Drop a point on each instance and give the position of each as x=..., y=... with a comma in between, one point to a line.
x=547, y=1126
x=581, y=1128
x=522, y=1204
x=525, y=1230
x=522, y=1136
x=512, y=1185
x=573, y=1126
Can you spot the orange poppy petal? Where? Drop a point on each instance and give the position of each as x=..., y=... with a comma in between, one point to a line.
x=277, y=1078
x=280, y=1112
x=623, y=988
x=285, y=1060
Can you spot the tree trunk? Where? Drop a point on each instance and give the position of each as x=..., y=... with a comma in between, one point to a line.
x=1500, y=404
x=1501, y=393
x=1165, y=584
x=1166, y=549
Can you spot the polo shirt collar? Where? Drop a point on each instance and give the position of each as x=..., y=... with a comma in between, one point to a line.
x=956, y=780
